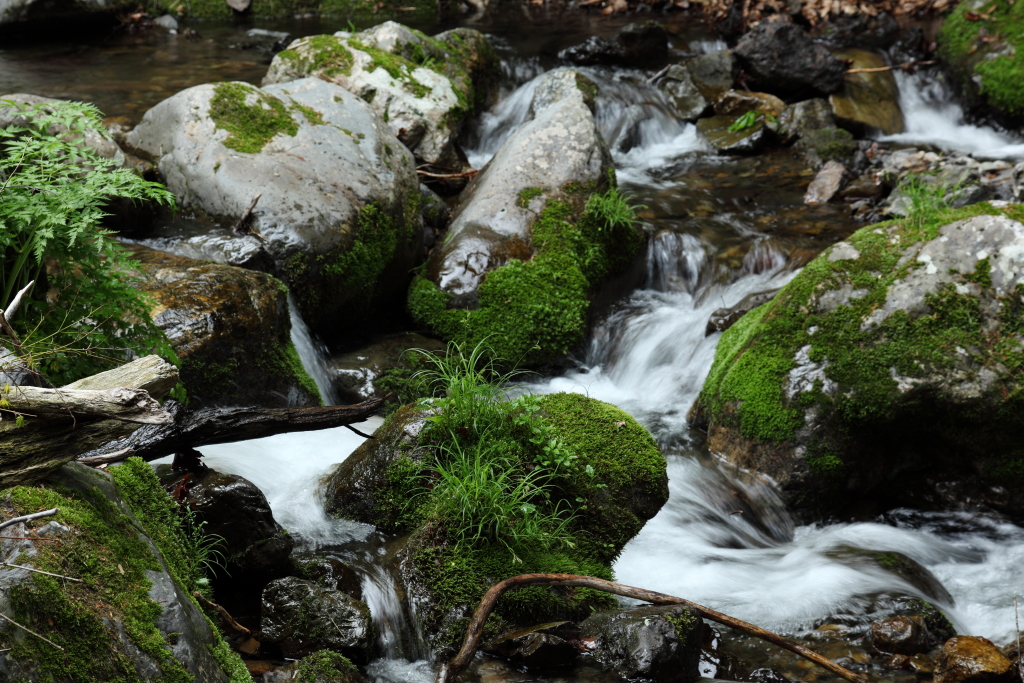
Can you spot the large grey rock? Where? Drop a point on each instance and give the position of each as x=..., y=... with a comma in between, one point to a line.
x=785, y=61
x=422, y=87
x=713, y=73
x=682, y=93
x=801, y=118
x=660, y=643
x=301, y=617
x=337, y=212
x=561, y=145
x=559, y=84
x=868, y=101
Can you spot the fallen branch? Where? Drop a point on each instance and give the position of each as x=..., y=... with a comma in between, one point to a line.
x=108, y=458
x=27, y=629
x=28, y=518
x=32, y=538
x=450, y=672
x=469, y=173
x=129, y=405
x=228, y=619
x=39, y=571
x=244, y=224
x=905, y=66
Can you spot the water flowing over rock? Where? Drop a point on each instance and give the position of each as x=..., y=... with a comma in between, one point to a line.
x=256, y=548
x=657, y=643
x=423, y=88
x=785, y=61
x=684, y=96
x=911, y=328
x=301, y=617
x=229, y=328
x=338, y=214
x=869, y=101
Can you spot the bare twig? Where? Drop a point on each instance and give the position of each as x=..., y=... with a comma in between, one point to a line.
x=365, y=436
x=40, y=571
x=904, y=66
x=451, y=671
x=244, y=224
x=108, y=458
x=25, y=628
x=5, y=328
x=654, y=79
x=29, y=518
x=468, y=173
x=228, y=619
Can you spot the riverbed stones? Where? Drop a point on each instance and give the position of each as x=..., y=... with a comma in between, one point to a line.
x=713, y=73
x=422, y=87
x=256, y=548
x=737, y=102
x=660, y=643
x=801, y=118
x=643, y=45
x=970, y=659
x=729, y=137
x=543, y=646
x=787, y=62
x=338, y=211
x=911, y=328
x=826, y=184
x=301, y=617
x=683, y=95
x=868, y=101
x=900, y=635
x=230, y=329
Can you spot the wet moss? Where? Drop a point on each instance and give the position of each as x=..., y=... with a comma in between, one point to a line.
x=985, y=43
x=528, y=195
x=326, y=54
x=684, y=624
x=397, y=66
x=105, y=551
x=326, y=667
x=534, y=311
x=939, y=625
x=314, y=117
x=252, y=117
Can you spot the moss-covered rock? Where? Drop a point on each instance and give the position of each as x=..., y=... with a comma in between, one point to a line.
x=538, y=231
x=424, y=88
x=338, y=213
x=327, y=667
x=302, y=617
x=894, y=352
x=982, y=45
x=617, y=482
x=129, y=616
x=230, y=328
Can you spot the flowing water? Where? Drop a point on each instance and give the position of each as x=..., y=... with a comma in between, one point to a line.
x=722, y=228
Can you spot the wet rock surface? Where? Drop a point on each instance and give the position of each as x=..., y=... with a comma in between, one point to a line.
x=230, y=328
x=901, y=635
x=724, y=318
x=655, y=643
x=543, y=646
x=713, y=73
x=256, y=547
x=685, y=97
x=338, y=208
x=868, y=101
x=375, y=369
x=301, y=617
x=787, y=62
x=727, y=137
x=636, y=45
x=328, y=572
x=969, y=659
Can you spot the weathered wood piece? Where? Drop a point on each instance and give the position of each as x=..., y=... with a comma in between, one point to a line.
x=227, y=425
x=130, y=405
x=450, y=671
x=152, y=374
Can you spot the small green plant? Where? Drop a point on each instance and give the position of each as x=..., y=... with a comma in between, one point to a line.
x=612, y=209
x=924, y=197
x=203, y=551
x=746, y=121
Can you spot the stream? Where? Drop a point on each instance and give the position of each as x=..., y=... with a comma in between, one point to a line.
x=722, y=228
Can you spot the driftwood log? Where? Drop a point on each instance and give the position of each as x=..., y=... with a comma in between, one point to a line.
x=450, y=671
x=227, y=425
x=50, y=439
x=119, y=403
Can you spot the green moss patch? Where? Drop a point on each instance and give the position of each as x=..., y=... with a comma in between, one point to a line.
x=535, y=310
x=985, y=43
x=326, y=667
x=251, y=124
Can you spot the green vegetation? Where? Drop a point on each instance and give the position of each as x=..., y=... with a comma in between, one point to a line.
x=326, y=54
x=104, y=549
x=496, y=487
x=252, y=117
x=985, y=45
x=325, y=667
x=746, y=388
x=748, y=120
x=534, y=311
x=84, y=314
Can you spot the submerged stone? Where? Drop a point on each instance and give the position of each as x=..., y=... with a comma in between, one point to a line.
x=727, y=137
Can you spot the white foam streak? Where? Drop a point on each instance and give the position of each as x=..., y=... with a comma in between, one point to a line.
x=933, y=118
x=312, y=353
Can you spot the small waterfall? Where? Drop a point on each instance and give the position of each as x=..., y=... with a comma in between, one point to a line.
x=933, y=118
x=398, y=632
x=313, y=354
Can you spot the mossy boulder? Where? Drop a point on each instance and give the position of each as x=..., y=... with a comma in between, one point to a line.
x=527, y=249
x=423, y=88
x=890, y=369
x=617, y=483
x=338, y=213
x=364, y=10
x=230, y=328
x=302, y=617
x=982, y=46
x=327, y=667
x=129, y=615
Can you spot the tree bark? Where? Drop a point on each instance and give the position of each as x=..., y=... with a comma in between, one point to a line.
x=129, y=405
x=450, y=672
x=151, y=374
x=226, y=425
